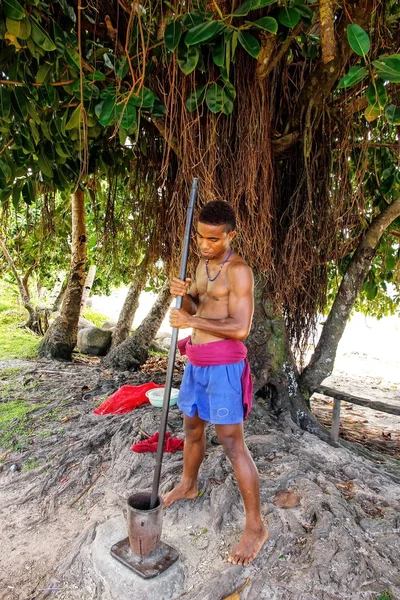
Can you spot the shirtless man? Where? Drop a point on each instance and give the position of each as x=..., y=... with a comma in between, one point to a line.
x=219, y=308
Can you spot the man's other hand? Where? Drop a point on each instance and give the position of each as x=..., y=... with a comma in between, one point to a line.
x=179, y=318
x=178, y=287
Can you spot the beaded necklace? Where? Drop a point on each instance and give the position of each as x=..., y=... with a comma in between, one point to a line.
x=220, y=269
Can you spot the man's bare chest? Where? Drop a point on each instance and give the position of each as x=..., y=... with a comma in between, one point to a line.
x=217, y=290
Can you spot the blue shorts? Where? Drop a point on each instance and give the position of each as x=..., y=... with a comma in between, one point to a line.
x=214, y=393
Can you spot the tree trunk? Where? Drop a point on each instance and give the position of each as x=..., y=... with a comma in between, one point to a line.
x=60, y=339
x=127, y=314
x=132, y=353
x=88, y=286
x=58, y=291
x=322, y=361
x=34, y=321
x=277, y=380
x=274, y=371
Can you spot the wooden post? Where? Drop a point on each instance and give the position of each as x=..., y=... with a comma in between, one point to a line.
x=335, y=420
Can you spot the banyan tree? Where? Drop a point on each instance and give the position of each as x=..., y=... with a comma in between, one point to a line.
x=286, y=110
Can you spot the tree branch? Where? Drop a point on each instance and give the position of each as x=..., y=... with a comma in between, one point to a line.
x=322, y=361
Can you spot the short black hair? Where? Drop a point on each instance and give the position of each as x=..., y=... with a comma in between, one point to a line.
x=218, y=212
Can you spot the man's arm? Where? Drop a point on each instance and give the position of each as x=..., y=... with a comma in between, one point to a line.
x=240, y=307
x=188, y=292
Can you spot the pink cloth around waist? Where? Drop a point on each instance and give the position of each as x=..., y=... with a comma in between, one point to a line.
x=225, y=352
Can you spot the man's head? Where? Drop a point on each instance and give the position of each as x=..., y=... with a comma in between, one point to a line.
x=215, y=229
x=218, y=212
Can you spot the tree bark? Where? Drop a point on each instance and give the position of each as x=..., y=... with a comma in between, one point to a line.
x=33, y=322
x=322, y=361
x=132, y=353
x=88, y=286
x=127, y=314
x=57, y=293
x=60, y=339
x=274, y=371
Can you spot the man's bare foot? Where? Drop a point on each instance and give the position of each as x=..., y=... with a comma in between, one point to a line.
x=180, y=492
x=249, y=546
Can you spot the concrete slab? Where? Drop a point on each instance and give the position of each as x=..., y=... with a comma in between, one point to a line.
x=121, y=582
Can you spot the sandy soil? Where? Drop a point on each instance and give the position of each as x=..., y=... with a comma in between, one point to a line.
x=49, y=514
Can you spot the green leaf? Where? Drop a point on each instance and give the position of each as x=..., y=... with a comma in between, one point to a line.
x=75, y=119
x=13, y=26
x=266, y=23
x=107, y=114
x=388, y=68
x=7, y=173
x=43, y=72
x=96, y=76
x=13, y=9
x=59, y=39
x=25, y=29
x=45, y=165
x=376, y=93
x=129, y=117
x=355, y=75
x=5, y=102
x=227, y=106
x=215, y=98
x=41, y=38
x=29, y=192
x=20, y=97
x=372, y=112
x=305, y=12
x=143, y=99
x=158, y=109
x=204, y=32
x=249, y=43
x=392, y=114
x=358, y=39
x=249, y=5
x=195, y=98
x=72, y=57
x=192, y=19
x=187, y=57
x=387, y=180
x=218, y=51
x=16, y=194
x=172, y=35
x=289, y=17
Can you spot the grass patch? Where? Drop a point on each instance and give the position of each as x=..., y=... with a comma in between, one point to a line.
x=386, y=595
x=16, y=426
x=97, y=318
x=14, y=409
x=31, y=463
x=10, y=372
x=15, y=341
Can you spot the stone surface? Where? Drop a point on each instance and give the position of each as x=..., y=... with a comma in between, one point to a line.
x=110, y=324
x=119, y=581
x=84, y=323
x=94, y=341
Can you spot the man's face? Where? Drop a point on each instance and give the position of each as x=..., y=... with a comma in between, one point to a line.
x=213, y=240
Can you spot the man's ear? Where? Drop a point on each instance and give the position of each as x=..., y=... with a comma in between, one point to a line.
x=231, y=235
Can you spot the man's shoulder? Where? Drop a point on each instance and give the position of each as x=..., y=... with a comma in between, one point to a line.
x=238, y=267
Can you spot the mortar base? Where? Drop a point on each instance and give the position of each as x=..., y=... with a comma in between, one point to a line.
x=149, y=566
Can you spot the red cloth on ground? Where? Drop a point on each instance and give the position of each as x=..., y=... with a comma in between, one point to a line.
x=150, y=445
x=127, y=398
x=225, y=352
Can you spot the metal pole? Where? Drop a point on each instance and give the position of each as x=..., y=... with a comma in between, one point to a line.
x=172, y=350
x=335, y=420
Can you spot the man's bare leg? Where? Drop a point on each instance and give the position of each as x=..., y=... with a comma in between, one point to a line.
x=255, y=533
x=193, y=454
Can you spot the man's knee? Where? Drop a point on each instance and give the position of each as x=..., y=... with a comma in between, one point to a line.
x=194, y=430
x=232, y=441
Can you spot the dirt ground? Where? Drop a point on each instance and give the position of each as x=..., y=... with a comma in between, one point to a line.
x=69, y=472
